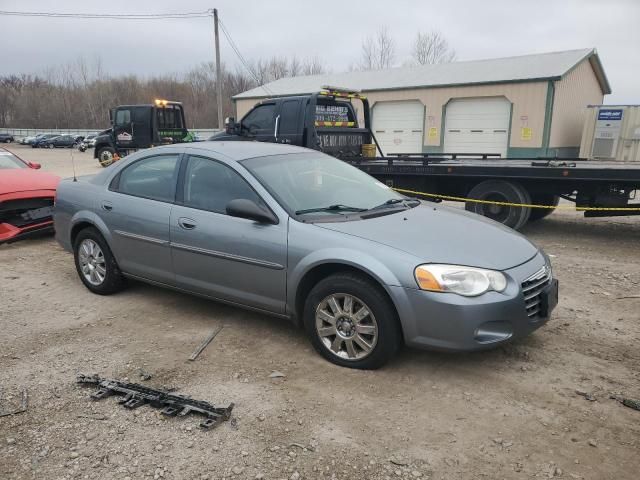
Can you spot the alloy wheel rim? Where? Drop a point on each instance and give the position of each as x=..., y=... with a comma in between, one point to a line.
x=106, y=158
x=92, y=262
x=346, y=326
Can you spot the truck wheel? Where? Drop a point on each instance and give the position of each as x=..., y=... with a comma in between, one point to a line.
x=543, y=199
x=351, y=322
x=105, y=156
x=504, y=192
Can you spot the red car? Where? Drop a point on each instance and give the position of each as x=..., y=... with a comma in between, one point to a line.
x=26, y=197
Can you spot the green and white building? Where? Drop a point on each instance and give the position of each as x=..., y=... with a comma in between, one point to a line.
x=525, y=106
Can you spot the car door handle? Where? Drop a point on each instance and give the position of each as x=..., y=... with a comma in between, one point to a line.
x=187, y=223
x=108, y=206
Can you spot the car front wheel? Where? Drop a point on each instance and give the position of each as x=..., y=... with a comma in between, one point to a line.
x=351, y=322
x=95, y=263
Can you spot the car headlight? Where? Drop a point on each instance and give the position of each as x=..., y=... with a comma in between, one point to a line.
x=467, y=281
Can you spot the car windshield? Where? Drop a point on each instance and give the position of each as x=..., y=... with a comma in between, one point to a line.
x=315, y=184
x=9, y=160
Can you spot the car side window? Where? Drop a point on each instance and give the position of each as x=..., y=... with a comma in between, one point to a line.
x=123, y=117
x=210, y=185
x=152, y=177
x=260, y=118
x=289, y=117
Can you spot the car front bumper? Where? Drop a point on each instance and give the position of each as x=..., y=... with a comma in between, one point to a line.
x=446, y=321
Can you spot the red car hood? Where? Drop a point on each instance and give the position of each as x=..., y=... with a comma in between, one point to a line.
x=26, y=179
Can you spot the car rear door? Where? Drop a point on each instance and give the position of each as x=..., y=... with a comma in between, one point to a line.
x=289, y=122
x=229, y=258
x=136, y=208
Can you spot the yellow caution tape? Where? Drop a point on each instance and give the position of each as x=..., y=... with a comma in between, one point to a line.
x=509, y=204
x=334, y=124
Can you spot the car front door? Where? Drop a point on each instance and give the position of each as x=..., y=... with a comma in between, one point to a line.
x=123, y=127
x=229, y=258
x=260, y=123
x=136, y=208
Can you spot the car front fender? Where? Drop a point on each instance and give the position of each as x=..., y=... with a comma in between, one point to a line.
x=333, y=259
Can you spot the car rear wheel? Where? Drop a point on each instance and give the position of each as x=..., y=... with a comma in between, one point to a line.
x=351, y=322
x=501, y=192
x=95, y=264
x=105, y=156
x=8, y=140
x=50, y=145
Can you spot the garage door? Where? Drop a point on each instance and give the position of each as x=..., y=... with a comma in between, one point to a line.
x=477, y=125
x=398, y=126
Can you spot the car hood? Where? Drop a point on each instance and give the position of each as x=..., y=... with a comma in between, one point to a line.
x=26, y=179
x=437, y=234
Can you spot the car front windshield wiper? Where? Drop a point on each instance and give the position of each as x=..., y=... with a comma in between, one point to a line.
x=395, y=201
x=331, y=208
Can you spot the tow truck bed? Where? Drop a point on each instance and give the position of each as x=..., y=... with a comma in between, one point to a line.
x=559, y=169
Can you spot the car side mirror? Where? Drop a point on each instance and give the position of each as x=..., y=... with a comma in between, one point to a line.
x=35, y=165
x=229, y=125
x=243, y=208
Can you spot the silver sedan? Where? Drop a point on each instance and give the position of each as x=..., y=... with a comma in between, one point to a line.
x=298, y=234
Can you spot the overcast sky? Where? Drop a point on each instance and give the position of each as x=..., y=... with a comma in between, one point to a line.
x=331, y=30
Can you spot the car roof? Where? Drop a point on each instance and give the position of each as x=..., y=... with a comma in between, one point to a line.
x=242, y=150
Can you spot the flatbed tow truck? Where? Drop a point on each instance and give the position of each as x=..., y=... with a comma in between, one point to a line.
x=510, y=191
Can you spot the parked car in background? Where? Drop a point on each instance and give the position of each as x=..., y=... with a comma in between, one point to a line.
x=6, y=138
x=43, y=137
x=26, y=197
x=61, y=141
x=88, y=142
x=301, y=235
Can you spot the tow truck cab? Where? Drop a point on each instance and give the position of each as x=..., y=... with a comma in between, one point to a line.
x=325, y=121
x=141, y=126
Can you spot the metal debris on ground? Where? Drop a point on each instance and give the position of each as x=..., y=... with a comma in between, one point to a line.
x=204, y=343
x=627, y=402
x=172, y=405
x=586, y=395
x=24, y=403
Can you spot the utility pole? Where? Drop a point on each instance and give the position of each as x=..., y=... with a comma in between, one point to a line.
x=218, y=76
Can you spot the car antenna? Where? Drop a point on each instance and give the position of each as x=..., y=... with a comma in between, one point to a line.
x=73, y=164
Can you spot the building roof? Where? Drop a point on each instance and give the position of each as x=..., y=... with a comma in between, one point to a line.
x=543, y=66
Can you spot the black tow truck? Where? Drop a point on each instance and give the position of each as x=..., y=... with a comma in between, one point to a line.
x=327, y=121
x=140, y=126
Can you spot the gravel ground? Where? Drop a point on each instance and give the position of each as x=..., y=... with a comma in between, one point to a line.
x=513, y=412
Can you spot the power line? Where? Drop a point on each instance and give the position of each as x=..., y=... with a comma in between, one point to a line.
x=246, y=65
x=145, y=16
x=109, y=16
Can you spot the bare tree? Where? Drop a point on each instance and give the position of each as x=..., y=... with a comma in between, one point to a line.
x=312, y=66
x=379, y=51
x=431, y=47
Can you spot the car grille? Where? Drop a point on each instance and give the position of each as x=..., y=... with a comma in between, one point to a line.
x=532, y=289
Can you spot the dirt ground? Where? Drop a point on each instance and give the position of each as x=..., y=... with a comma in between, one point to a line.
x=508, y=413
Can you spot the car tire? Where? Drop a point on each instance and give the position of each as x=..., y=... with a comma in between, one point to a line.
x=8, y=140
x=105, y=156
x=378, y=331
x=91, y=251
x=50, y=145
x=501, y=191
x=543, y=199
